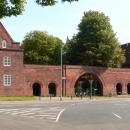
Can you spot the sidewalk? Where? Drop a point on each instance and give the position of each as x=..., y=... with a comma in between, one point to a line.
x=65, y=99
x=47, y=100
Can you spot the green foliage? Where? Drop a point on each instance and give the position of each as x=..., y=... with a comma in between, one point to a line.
x=51, y=2
x=72, y=51
x=41, y=48
x=95, y=44
x=11, y=7
x=16, y=7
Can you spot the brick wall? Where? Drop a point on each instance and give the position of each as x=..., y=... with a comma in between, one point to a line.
x=42, y=75
x=46, y=74
x=109, y=78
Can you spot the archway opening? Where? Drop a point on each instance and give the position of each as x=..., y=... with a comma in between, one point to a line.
x=119, y=89
x=85, y=88
x=36, y=89
x=128, y=88
x=52, y=89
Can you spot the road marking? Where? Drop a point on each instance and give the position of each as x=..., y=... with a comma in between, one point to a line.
x=5, y=110
x=57, y=118
x=116, y=115
x=26, y=114
x=45, y=115
x=52, y=113
x=17, y=113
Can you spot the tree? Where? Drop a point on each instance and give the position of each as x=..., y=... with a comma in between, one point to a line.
x=16, y=7
x=11, y=7
x=41, y=48
x=71, y=53
x=95, y=44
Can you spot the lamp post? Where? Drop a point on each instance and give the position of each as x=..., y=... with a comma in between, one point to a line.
x=90, y=81
x=61, y=60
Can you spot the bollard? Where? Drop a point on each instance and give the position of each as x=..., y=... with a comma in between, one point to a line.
x=39, y=97
x=71, y=97
x=60, y=98
x=81, y=97
x=50, y=97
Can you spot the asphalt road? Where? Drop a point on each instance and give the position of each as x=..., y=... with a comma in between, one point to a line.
x=84, y=115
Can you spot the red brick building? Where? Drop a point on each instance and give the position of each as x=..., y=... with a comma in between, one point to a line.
x=17, y=78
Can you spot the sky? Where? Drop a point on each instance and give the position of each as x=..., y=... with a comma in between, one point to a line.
x=62, y=19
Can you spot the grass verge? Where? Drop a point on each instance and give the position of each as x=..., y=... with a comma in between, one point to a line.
x=16, y=98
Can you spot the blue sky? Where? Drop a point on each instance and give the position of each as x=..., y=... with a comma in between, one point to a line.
x=61, y=20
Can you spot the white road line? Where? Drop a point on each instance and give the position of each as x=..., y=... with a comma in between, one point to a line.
x=24, y=111
x=50, y=118
x=26, y=114
x=53, y=113
x=48, y=114
x=21, y=112
x=4, y=110
x=34, y=109
x=8, y=111
x=44, y=115
x=57, y=118
x=116, y=115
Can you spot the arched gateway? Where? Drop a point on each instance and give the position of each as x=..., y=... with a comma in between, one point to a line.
x=52, y=89
x=119, y=89
x=88, y=83
x=128, y=88
x=36, y=89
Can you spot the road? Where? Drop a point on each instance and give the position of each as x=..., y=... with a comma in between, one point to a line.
x=85, y=115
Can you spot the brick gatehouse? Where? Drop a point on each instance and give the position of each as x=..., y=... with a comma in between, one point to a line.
x=19, y=79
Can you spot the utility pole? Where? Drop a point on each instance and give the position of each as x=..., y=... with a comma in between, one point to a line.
x=90, y=81
x=61, y=60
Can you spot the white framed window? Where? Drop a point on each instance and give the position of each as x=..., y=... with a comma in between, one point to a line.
x=4, y=44
x=7, y=61
x=7, y=80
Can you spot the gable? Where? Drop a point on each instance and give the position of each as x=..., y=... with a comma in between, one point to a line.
x=4, y=36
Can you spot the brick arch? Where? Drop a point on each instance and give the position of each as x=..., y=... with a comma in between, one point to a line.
x=52, y=89
x=128, y=82
x=52, y=82
x=119, y=88
x=56, y=87
x=95, y=76
x=81, y=74
x=36, y=88
x=128, y=88
x=120, y=82
x=36, y=81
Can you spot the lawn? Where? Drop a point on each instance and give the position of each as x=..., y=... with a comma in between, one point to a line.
x=16, y=98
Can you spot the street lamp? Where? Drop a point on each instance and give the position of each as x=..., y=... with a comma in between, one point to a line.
x=61, y=59
x=90, y=81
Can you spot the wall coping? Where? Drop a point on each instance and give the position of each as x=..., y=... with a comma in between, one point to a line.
x=34, y=66
x=30, y=66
